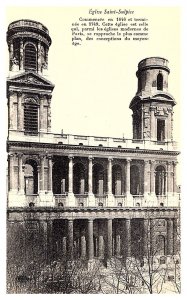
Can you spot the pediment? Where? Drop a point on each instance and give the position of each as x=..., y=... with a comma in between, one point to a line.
x=31, y=79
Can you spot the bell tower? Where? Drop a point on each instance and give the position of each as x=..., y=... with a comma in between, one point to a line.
x=28, y=91
x=153, y=105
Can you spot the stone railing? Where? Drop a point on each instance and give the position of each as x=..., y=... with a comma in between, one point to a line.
x=138, y=200
x=101, y=200
x=120, y=200
x=81, y=200
x=60, y=199
x=28, y=23
x=32, y=200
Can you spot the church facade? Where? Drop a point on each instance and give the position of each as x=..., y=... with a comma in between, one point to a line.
x=87, y=197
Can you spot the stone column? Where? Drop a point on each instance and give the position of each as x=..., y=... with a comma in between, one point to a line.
x=64, y=246
x=41, y=114
x=152, y=237
x=39, y=57
x=21, y=55
x=128, y=237
x=152, y=177
x=49, y=240
x=175, y=176
x=83, y=245
x=20, y=174
x=146, y=238
x=70, y=188
x=109, y=245
x=169, y=181
x=101, y=241
x=152, y=109
x=11, y=172
x=109, y=176
x=11, y=52
x=50, y=178
x=90, y=179
x=90, y=240
x=169, y=237
x=42, y=160
x=49, y=113
x=20, y=124
x=175, y=236
x=43, y=232
x=146, y=177
x=118, y=248
x=70, y=239
x=127, y=183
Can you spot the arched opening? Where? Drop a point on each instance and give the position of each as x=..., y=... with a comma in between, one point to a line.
x=60, y=176
x=160, y=181
x=30, y=57
x=79, y=184
x=31, y=177
x=160, y=130
x=135, y=187
x=98, y=179
x=160, y=242
x=31, y=116
x=116, y=180
x=160, y=82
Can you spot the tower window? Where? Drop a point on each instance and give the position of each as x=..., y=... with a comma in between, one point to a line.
x=160, y=130
x=30, y=59
x=31, y=117
x=160, y=82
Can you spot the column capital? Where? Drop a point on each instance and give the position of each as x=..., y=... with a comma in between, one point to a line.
x=90, y=220
x=110, y=158
x=90, y=157
x=146, y=161
x=175, y=163
x=169, y=163
x=70, y=156
x=128, y=160
x=19, y=93
x=153, y=162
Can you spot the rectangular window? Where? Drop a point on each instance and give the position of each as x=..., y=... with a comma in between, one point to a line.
x=160, y=130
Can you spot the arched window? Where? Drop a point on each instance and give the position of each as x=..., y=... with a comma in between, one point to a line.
x=60, y=176
x=79, y=179
x=116, y=180
x=31, y=116
x=135, y=188
x=30, y=57
x=98, y=179
x=160, y=82
x=160, y=181
x=31, y=177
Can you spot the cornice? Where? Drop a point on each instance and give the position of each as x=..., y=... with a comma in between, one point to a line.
x=33, y=145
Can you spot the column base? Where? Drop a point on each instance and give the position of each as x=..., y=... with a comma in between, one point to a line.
x=71, y=200
x=111, y=202
x=16, y=199
x=129, y=200
x=46, y=199
x=91, y=199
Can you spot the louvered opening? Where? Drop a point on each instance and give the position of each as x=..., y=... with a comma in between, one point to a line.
x=31, y=118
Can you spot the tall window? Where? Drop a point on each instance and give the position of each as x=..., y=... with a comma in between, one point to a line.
x=31, y=177
x=160, y=181
x=160, y=82
x=30, y=59
x=31, y=116
x=160, y=130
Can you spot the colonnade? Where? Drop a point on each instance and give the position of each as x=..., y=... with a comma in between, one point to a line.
x=45, y=173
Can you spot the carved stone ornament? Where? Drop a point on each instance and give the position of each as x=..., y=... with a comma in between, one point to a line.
x=161, y=111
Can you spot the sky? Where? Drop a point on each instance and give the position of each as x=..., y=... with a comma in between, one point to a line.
x=95, y=82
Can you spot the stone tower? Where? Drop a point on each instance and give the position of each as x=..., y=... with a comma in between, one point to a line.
x=153, y=106
x=28, y=91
